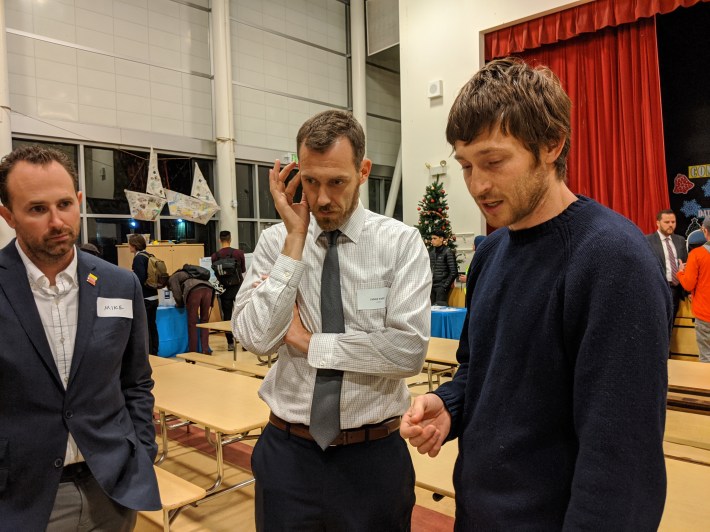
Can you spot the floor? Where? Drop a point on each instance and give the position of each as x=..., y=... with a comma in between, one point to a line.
x=191, y=457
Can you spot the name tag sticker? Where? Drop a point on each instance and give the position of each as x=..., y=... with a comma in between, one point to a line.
x=372, y=298
x=107, y=307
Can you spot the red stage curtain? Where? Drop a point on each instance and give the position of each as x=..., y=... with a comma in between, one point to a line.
x=569, y=23
x=617, y=155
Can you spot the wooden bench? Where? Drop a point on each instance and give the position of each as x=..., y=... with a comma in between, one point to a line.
x=688, y=403
x=175, y=494
x=225, y=365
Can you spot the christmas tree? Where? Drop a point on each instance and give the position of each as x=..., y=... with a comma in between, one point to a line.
x=434, y=215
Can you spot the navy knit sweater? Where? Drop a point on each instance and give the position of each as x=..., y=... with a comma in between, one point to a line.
x=559, y=402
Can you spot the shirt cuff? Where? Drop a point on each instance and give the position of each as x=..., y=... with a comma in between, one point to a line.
x=321, y=349
x=287, y=271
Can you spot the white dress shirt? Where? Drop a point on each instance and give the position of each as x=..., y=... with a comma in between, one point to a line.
x=58, y=307
x=378, y=256
x=663, y=237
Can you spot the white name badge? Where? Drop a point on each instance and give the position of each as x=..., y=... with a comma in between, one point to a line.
x=107, y=307
x=372, y=298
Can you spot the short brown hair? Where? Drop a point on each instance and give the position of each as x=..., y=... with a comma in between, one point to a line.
x=661, y=213
x=526, y=102
x=33, y=154
x=137, y=241
x=321, y=131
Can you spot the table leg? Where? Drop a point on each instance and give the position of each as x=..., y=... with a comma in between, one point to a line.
x=220, y=463
x=164, y=436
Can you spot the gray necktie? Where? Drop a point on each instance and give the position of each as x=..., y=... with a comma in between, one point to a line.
x=325, y=408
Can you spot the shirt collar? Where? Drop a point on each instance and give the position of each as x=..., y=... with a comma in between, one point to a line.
x=662, y=235
x=351, y=228
x=37, y=278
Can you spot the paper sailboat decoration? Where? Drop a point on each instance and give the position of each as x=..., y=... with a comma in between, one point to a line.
x=199, y=206
x=147, y=205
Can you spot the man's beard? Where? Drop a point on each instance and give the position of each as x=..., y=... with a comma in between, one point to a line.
x=48, y=251
x=331, y=224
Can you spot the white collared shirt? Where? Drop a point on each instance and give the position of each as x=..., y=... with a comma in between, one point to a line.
x=58, y=307
x=669, y=275
x=379, y=257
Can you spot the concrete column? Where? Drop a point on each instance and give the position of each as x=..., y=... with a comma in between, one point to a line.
x=6, y=233
x=225, y=171
x=358, y=51
x=396, y=183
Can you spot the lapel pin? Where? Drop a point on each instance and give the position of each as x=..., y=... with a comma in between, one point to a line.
x=91, y=279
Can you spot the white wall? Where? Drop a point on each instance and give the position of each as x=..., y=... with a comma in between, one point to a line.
x=111, y=71
x=443, y=40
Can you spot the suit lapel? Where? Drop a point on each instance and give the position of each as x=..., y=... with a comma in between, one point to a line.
x=658, y=246
x=88, y=293
x=16, y=286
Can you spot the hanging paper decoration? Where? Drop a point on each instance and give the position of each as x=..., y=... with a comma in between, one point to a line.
x=147, y=206
x=199, y=207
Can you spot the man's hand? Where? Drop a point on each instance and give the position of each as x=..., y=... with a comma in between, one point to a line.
x=297, y=335
x=426, y=424
x=296, y=216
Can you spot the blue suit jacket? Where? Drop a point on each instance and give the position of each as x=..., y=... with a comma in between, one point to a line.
x=107, y=405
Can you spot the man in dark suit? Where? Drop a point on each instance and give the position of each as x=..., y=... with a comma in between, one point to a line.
x=670, y=250
x=77, y=440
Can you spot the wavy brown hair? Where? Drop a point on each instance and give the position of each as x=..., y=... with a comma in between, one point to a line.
x=526, y=102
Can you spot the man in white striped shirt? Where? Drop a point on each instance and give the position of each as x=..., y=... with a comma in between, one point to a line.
x=364, y=479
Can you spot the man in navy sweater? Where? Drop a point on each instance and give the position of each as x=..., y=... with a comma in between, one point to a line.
x=559, y=401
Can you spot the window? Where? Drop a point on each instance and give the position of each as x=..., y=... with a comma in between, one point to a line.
x=104, y=175
x=255, y=208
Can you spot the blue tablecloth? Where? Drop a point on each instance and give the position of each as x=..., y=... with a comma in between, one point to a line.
x=447, y=322
x=172, y=331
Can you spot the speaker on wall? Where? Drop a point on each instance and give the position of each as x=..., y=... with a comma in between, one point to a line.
x=436, y=88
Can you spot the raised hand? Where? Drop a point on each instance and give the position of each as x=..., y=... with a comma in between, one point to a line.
x=426, y=424
x=296, y=216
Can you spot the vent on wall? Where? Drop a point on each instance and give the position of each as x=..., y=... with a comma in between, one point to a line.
x=382, y=18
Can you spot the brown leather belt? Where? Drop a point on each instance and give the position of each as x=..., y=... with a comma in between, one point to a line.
x=346, y=437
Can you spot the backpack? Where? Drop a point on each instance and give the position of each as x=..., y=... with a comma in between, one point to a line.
x=157, y=272
x=196, y=272
x=227, y=271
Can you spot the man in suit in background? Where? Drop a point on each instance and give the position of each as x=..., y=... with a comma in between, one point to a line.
x=77, y=441
x=671, y=252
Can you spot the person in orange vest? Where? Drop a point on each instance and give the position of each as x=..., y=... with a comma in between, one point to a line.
x=695, y=278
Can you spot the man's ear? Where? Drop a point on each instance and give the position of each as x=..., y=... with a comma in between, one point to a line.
x=365, y=169
x=7, y=215
x=550, y=153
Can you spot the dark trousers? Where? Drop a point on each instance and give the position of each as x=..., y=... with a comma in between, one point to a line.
x=151, y=309
x=365, y=486
x=199, y=303
x=226, y=300
x=677, y=294
x=440, y=295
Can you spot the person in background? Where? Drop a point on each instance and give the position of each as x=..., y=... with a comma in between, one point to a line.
x=443, y=268
x=77, y=440
x=196, y=296
x=694, y=276
x=670, y=250
x=477, y=241
x=231, y=288
x=345, y=300
x=90, y=248
x=559, y=401
x=137, y=245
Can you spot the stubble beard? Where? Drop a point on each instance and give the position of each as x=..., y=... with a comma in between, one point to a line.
x=46, y=252
x=527, y=196
x=331, y=224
